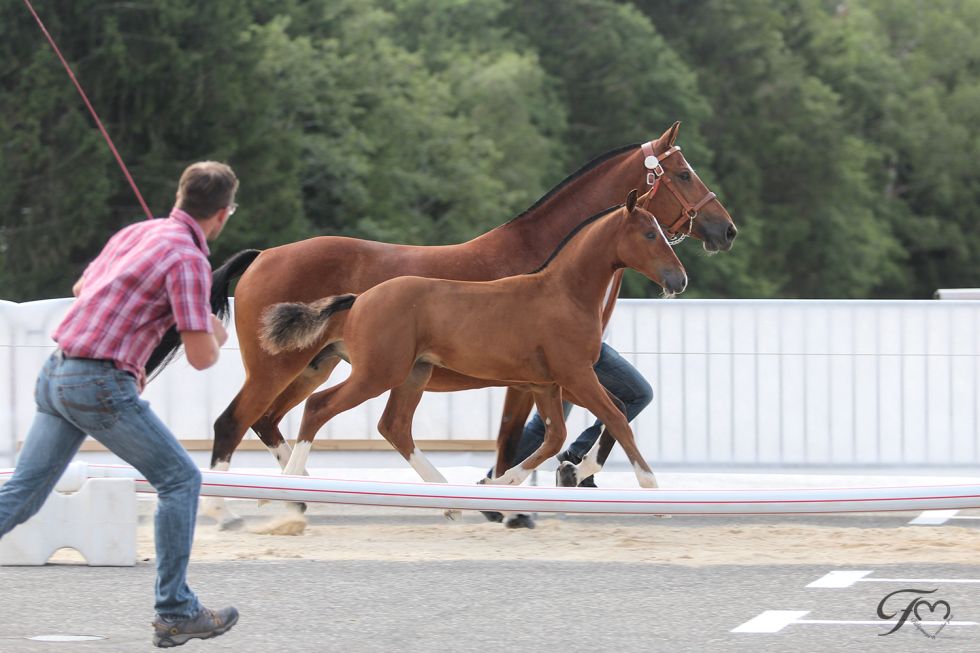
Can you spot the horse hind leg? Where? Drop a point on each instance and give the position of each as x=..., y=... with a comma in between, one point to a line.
x=320, y=408
x=267, y=381
x=396, y=427
x=267, y=428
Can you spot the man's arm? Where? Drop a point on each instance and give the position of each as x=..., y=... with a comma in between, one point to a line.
x=202, y=348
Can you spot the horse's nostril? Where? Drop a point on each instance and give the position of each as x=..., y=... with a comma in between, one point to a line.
x=731, y=233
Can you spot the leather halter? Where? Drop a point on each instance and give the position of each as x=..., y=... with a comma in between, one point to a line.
x=656, y=175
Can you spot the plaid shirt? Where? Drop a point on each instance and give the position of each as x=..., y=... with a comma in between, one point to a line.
x=148, y=277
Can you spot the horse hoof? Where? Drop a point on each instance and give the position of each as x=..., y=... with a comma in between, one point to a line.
x=233, y=524
x=566, y=475
x=302, y=508
x=288, y=524
x=520, y=521
x=453, y=515
x=493, y=516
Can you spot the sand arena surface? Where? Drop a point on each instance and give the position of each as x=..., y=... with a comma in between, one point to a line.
x=590, y=539
x=394, y=534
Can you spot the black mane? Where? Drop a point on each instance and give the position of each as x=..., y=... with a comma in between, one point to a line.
x=602, y=158
x=572, y=234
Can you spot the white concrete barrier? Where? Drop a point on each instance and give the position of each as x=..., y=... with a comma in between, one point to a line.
x=95, y=516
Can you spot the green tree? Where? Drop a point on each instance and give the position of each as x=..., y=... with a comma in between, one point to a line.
x=172, y=85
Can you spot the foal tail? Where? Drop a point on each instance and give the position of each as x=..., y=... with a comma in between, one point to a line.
x=221, y=279
x=298, y=326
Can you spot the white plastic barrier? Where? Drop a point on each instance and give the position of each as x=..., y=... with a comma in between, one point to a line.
x=95, y=516
x=570, y=500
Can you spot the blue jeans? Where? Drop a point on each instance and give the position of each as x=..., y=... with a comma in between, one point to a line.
x=76, y=396
x=617, y=376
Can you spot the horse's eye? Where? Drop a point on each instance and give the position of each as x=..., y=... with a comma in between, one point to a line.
x=652, y=235
x=685, y=176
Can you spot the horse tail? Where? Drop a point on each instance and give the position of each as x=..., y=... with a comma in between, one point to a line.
x=298, y=326
x=221, y=279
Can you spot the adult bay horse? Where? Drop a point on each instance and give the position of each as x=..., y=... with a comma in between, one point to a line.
x=539, y=331
x=324, y=266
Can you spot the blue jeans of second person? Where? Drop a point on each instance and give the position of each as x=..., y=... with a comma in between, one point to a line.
x=616, y=375
x=76, y=396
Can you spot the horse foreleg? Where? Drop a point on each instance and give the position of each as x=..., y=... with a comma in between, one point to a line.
x=517, y=406
x=570, y=474
x=548, y=401
x=596, y=399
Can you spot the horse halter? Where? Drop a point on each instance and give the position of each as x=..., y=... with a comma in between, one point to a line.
x=655, y=176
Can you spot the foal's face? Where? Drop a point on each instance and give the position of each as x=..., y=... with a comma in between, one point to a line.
x=643, y=247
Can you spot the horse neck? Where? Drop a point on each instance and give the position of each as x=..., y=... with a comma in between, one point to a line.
x=540, y=229
x=589, y=261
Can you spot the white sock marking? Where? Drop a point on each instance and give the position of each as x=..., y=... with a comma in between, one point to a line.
x=646, y=479
x=281, y=452
x=297, y=460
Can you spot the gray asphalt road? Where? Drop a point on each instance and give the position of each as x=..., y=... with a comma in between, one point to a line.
x=300, y=605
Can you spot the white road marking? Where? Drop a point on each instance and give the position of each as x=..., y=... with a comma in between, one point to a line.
x=770, y=621
x=840, y=579
x=773, y=621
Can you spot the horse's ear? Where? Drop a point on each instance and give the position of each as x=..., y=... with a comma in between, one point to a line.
x=631, y=201
x=670, y=136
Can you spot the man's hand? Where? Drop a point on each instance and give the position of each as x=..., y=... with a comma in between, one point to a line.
x=220, y=333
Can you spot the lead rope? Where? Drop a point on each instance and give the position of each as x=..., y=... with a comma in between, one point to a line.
x=88, y=104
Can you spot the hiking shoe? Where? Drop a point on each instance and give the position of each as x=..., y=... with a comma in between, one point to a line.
x=204, y=625
x=568, y=457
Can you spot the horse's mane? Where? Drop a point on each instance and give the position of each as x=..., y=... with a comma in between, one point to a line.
x=572, y=234
x=602, y=158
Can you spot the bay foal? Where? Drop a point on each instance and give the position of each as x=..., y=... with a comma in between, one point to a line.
x=539, y=331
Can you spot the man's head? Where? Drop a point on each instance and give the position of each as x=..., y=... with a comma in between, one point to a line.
x=207, y=193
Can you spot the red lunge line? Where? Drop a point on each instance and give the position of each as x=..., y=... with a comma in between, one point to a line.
x=98, y=122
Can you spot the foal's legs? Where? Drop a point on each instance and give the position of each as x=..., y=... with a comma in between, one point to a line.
x=517, y=406
x=396, y=426
x=569, y=474
x=320, y=408
x=548, y=401
x=263, y=384
x=592, y=396
x=267, y=427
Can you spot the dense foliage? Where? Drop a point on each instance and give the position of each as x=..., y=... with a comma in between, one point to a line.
x=842, y=135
